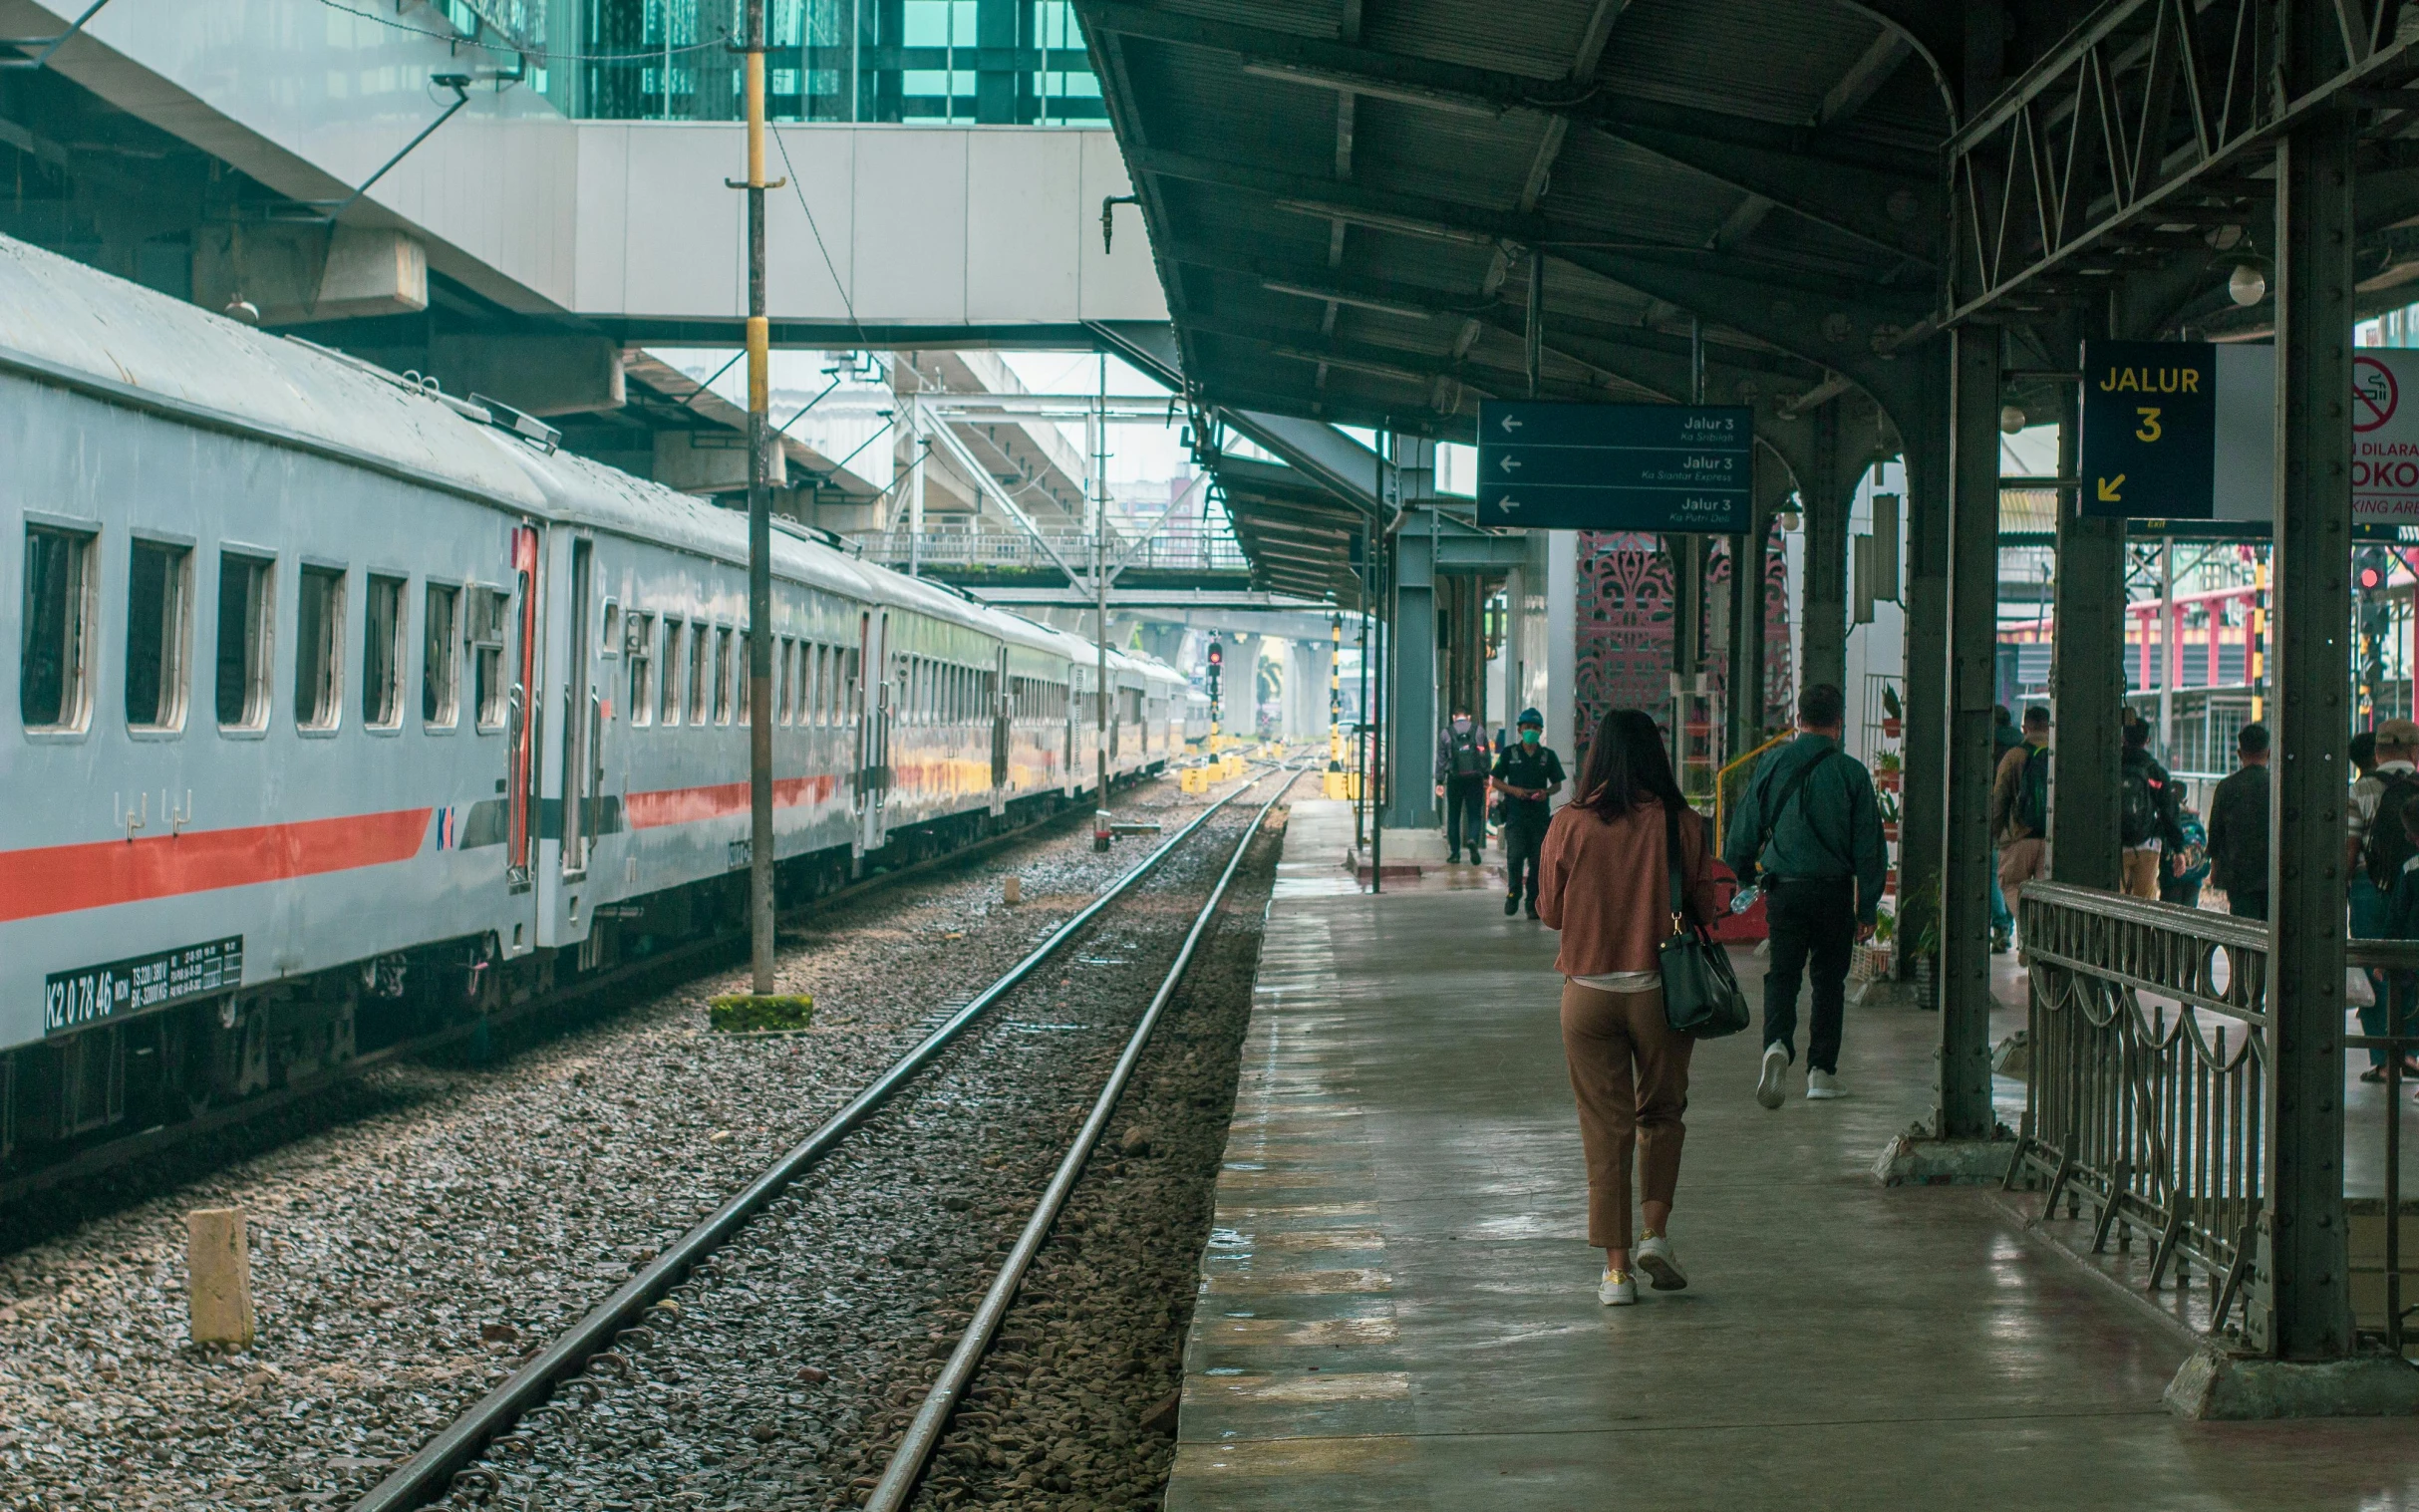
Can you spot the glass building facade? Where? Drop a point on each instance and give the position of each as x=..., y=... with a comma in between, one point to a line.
x=947, y=62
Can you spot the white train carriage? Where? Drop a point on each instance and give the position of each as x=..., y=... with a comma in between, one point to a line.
x=341, y=707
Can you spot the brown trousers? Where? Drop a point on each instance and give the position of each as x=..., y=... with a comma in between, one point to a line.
x=1630, y=1073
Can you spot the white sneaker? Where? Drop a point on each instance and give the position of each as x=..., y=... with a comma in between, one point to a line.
x=1617, y=1288
x=1653, y=1256
x=1822, y=1087
x=1768, y=1081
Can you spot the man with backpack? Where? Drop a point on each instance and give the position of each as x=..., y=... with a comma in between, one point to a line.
x=2237, y=829
x=2376, y=844
x=1463, y=759
x=2147, y=827
x=2020, y=807
x=1809, y=829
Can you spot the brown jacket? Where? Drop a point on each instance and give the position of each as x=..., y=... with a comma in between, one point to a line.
x=2006, y=783
x=1607, y=887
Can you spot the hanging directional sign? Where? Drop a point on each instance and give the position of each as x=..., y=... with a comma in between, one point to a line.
x=2149, y=429
x=1670, y=469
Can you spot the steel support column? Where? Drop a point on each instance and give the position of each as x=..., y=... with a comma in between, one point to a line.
x=1745, y=682
x=1823, y=637
x=1964, y=850
x=2087, y=679
x=2299, y=1300
x=1687, y=557
x=1411, y=799
x=1924, y=775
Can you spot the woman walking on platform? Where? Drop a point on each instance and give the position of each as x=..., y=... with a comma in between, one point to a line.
x=1606, y=888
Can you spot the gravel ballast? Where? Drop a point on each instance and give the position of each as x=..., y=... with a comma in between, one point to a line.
x=405, y=1260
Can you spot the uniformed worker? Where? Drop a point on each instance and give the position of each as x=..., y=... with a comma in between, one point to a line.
x=1527, y=774
x=1463, y=756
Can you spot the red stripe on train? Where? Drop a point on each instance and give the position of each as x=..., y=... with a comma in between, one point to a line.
x=686, y=805
x=57, y=879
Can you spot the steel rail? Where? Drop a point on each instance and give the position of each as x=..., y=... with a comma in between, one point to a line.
x=429, y=1473
x=923, y=1435
x=668, y=964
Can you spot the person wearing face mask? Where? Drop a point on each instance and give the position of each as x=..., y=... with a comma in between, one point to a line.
x=1462, y=758
x=1528, y=774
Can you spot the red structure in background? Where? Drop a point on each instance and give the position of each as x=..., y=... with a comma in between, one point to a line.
x=1624, y=632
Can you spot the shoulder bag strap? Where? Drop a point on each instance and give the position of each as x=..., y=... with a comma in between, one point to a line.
x=1680, y=887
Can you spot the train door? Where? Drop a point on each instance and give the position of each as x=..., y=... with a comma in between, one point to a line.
x=580, y=715
x=873, y=730
x=521, y=731
x=1003, y=721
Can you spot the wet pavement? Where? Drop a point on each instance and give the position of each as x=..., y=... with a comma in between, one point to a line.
x=1399, y=1299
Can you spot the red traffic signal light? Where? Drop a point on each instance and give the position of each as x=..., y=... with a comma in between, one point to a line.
x=2370, y=570
x=1217, y=655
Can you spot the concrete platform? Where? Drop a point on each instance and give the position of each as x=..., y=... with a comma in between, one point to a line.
x=1398, y=1304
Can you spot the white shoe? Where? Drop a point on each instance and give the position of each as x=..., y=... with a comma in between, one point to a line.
x=1653, y=1256
x=1821, y=1086
x=1768, y=1081
x=1617, y=1288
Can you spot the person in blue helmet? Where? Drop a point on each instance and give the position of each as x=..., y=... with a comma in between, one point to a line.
x=1527, y=775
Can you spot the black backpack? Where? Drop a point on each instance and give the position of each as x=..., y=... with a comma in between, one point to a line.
x=2389, y=845
x=2032, y=792
x=2143, y=808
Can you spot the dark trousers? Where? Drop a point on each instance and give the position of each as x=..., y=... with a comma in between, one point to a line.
x=1465, y=814
x=1524, y=840
x=1809, y=918
x=2244, y=904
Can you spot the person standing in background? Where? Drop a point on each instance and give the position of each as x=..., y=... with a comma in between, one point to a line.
x=2146, y=812
x=2004, y=737
x=1463, y=759
x=2237, y=829
x=2377, y=844
x=1528, y=774
x=2020, y=807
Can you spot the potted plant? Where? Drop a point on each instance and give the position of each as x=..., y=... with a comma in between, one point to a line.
x=1888, y=771
x=1886, y=803
x=1893, y=715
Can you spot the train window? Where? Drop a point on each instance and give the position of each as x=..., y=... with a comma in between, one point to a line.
x=701, y=687
x=245, y=605
x=610, y=643
x=441, y=666
x=674, y=662
x=54, y=654
x=852, y=702
x=820, y=697
x=721, y=675
x=491, y=691
x=159, y=584
x=382, y=655
x=638, y=644
x=782, y=670
x=319, y=631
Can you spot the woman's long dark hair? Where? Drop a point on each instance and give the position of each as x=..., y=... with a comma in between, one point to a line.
x=1627, y=766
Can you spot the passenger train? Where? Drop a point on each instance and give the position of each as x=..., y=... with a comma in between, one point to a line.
x=344, y=707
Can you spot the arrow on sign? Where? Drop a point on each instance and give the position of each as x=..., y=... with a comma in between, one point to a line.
x=1507, y=504
x=1511, y=464
x=2109, y=488
x=1510, y=424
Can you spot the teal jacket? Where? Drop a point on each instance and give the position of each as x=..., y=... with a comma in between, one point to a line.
x=1832, y=827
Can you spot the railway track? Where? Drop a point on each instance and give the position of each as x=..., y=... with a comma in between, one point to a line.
x=445, y=1466
x=664, y=969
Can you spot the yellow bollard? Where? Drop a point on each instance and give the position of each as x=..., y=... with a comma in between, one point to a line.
x=1334, y=783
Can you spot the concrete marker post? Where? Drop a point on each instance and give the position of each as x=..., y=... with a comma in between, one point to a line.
x=218, y=1266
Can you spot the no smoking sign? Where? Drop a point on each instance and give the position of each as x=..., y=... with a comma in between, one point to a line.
x=2385, y=438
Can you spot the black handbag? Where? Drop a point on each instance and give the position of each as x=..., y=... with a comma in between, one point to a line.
x=1700, y=993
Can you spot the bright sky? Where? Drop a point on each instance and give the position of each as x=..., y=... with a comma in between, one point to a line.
x=1136, y=453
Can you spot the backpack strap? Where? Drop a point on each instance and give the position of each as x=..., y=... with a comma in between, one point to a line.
x=1681, y=911
x=1789, y=791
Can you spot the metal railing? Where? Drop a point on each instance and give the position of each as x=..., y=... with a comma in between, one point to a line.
x=1167, y=551
x=2146, y=1089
